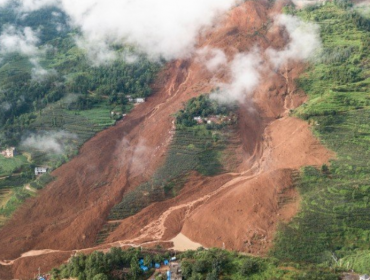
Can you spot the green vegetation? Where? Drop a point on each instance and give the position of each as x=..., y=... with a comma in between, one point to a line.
x=116, y=264
x=101, y=86
x=202, y=264
x=10, y=165
x=42, y=181
x=76, y=127
x=193, y=148
x=12, y=201
x=333, y=226
x=22, y=96
x=67, y=105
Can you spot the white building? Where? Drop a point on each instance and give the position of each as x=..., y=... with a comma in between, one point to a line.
x=9, y=153
x=364, y=277
x=40, y=170
x=139, y=100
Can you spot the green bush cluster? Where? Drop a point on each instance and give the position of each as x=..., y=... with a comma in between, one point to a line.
x=116, y=264
x=201, y=106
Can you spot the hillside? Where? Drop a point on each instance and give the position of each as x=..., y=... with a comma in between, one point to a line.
x=53, y=99
x=279, y=171
x=71, y=211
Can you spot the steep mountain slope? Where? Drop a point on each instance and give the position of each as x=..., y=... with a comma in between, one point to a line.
x=239, y=210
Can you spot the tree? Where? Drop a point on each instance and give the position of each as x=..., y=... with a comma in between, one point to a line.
x=148, y=260
x=324, y=168
x=135, y=268
x=100, y=276
x=248, y=267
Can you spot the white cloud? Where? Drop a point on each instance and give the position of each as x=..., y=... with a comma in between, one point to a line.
x=212, y=58
x=38, y=72
x=99, y=52
x=139, y=153
x=22, y=41
x=245, y=77
x=304, y=40
x=50, y=142
x=32, y=5
x=3, y=3
x=245, y=69
x=162, y=28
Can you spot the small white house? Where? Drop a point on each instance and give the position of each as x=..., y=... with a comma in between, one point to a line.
x=40, y=170
x=198, y=119
x=139, y=100
x=364, y=277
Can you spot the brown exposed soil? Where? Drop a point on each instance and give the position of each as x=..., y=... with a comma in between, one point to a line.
x=239, y=210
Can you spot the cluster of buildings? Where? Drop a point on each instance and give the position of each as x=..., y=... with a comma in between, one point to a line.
x=214, y=119
x=171, y=269
x=117, y=113
x=130, y=99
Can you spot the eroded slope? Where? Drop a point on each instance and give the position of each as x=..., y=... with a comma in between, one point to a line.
x=238, y=210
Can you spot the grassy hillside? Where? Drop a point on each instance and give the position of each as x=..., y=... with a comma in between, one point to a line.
x=63, y=107
x=333, y=226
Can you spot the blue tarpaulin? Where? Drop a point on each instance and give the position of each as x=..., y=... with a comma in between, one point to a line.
x=157, y=265
x=165, y=262
x=144, y=268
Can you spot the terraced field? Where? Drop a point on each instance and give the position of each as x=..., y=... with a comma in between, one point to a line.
x=82, y=123
x=15, y=69
x=79, y=126
x=334, y=223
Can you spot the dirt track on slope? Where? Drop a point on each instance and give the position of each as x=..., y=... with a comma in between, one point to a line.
x=239, y=210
